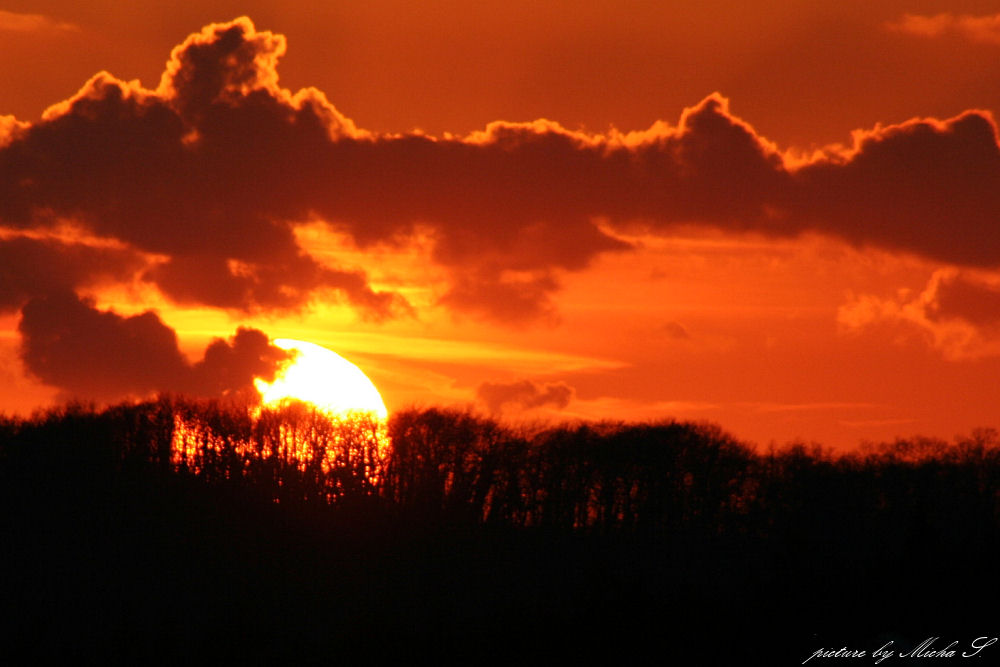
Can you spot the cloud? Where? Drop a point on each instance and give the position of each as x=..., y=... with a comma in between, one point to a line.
x=924, y=186
x=822, y=406
x=9, y=128
x=984, y=29
x=100, y=355
x=957, y=313
x=277, y=284
x=675, y=331
x=960, y=297
x=15, y=22
x=201, y=172
x=211, y=173
x=35, y=266
x=229, y=366
x=524, y=395
x=510, y=299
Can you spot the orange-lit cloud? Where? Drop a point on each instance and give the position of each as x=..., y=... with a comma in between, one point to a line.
x=958, y=313
x=985, y=29
x=16, y=22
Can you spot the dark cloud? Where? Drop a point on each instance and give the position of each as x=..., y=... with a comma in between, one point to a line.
x=205, y=171
x=103, y=356
x=213, y=170
x=214, y=281
x=231, y=365
x=31, y=267
x=523, y=394
x=510, y=299
x=676, y=331
x=928, y=187
x=961, y=297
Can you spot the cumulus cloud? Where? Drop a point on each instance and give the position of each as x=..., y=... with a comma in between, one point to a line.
x=100, y=355
x=201, y=172
x=524, y=395
x=958, y=313
x=211, y=172
x=985, y=29
x=925, y=186
x=9, y=127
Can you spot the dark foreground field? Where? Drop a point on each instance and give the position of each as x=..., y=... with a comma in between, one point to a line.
x=471, y=541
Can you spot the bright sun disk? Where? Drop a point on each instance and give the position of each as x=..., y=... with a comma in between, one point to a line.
x=324, y=379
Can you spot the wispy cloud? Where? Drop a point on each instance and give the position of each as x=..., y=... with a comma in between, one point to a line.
x=512, y=358
x=15, y=22
x=983, y=29
x=866, y=423
x=632, y=410
x=821, y=406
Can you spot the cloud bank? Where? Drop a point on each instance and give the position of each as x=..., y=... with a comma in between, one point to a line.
x=197, y=187
x=212, y=170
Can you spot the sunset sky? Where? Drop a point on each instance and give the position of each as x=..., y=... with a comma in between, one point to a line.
x=779, y=217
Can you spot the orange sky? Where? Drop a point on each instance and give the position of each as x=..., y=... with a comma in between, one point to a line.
x=782, y=220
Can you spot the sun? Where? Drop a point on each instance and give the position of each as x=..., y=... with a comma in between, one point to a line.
x=323, y=378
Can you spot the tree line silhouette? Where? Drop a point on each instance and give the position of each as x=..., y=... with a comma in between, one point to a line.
x=444, y=524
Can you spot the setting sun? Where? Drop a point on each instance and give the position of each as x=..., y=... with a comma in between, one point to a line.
x=322, y=378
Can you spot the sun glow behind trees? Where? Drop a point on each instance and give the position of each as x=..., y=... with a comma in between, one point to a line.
x=321, y=422
x=304, y=452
